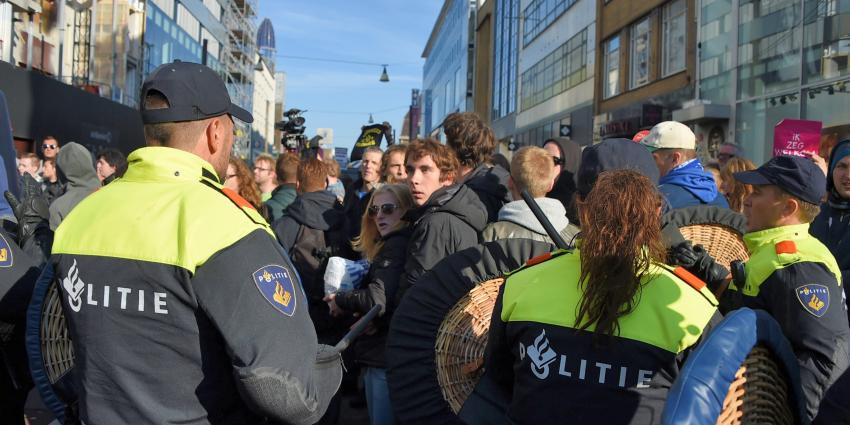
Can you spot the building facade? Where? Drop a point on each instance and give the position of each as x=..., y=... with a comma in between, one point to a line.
x=447, y=74
x=263, y=108
x=645, y=63
x=108, y=47
x=764, y=61
x=555, y=71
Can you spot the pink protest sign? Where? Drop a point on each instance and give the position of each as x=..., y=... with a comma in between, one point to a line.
x=794, y=137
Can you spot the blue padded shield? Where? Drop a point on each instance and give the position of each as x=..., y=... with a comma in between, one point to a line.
x=698, y=393
x=33, y=343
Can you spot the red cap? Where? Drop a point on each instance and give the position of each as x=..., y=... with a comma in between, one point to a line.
x=640, y=135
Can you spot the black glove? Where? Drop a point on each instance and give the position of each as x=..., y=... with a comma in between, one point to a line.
x=32, y=211
x=697, y=260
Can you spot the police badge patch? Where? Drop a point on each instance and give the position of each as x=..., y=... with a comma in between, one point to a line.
x=814, y=298
x=275, y=283
x=5, y=253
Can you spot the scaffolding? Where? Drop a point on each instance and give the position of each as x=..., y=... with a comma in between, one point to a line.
x=81, y=59
x=238, y=58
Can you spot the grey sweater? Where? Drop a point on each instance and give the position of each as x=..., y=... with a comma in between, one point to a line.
x=517, y=221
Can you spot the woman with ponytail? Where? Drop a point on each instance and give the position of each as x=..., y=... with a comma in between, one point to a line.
x=598, y=334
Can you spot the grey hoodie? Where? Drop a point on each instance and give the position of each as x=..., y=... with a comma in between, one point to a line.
x=517, y=221
x=75, y=166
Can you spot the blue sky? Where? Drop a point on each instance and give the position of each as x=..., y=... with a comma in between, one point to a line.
x=338, y=95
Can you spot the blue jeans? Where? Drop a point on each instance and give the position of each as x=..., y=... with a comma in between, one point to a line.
x=378, y=396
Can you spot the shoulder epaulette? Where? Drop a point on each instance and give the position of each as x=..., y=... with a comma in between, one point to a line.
x=785, y=247
x=694, y=282
x=245, y=206
x=542, y=258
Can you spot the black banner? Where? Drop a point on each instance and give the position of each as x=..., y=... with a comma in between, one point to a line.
x=370, y=136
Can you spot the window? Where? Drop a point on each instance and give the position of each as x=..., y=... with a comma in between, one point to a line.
x=450, y=98
x=673, y=50
x=640, y=53
x=505, y=57
x=539, y=14
x=559, y=71
x=460, y=92
x=612, y=67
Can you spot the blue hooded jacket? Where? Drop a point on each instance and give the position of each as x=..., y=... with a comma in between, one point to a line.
x=8, y=171
x=832, y=225
x=690, y=185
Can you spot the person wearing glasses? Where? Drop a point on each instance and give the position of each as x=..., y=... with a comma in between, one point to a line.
x=264, y=174
x=566, y=156
x=50, y=147
x=383, y=241
x=240, y=180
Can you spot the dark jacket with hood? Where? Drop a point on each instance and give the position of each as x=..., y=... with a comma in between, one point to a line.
x=316, y=210
x=282, y=197
x=451, y=220
x=319, y=211
x=832, y=225
x=565, y=186
x=690, y=185
x=490, y=184
x=74, y=165
x=380, y=288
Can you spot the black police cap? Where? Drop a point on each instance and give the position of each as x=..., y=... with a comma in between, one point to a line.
x=798, y=176
x=194, y=92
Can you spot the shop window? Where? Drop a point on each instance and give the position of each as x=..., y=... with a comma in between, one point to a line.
x=612, y=67
x=756, y=120
x=674, y=27
x=826, y=44
x=640, y=39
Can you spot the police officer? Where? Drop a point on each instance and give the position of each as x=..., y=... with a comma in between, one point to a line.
x=181, y=305
x=24, y=244
x=791, y=274
x=598, y=334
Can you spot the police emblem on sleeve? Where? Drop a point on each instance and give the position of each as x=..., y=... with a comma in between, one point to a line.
x=814, y=298
x=275, y=283
x=5, y=253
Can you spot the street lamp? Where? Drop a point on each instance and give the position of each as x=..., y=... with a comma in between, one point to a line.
x=384, y=77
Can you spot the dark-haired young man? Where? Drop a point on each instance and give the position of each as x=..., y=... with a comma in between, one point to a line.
x=111, y=164
x=449, y=217
x=473, y=141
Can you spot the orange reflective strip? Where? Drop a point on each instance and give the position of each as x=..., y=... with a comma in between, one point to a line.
x=786, y=247
x=689, y=278
x=538, y=259
x=238, y=200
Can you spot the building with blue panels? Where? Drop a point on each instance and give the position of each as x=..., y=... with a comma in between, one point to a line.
x=446, y=76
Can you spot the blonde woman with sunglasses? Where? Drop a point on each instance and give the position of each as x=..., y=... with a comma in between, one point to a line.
x=383, y=239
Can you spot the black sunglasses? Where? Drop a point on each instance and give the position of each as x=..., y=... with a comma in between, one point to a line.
x=387, y=209
x=48, y=146
x=558, y=161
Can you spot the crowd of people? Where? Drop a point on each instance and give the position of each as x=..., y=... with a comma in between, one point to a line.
x=614, y=306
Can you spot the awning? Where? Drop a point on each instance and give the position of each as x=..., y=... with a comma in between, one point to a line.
x=25, y=5
x=702, y=112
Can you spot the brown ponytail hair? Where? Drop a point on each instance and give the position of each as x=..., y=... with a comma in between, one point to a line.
x=621, y=237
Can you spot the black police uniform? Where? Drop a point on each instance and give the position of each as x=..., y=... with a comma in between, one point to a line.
x=181, y=304
x=18, y=273
x=795, y=278
x=554, y=372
